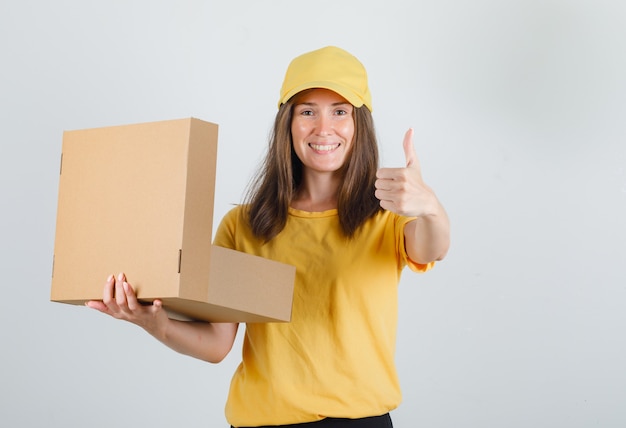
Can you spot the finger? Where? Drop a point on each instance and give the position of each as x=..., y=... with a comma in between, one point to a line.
x=120, y=294
x=97, y=305
x=389, y=173
x=387, y=205
x=108, y=293
x=157, y=305
x=131, y=297
x=383, y=184
x=409, y=149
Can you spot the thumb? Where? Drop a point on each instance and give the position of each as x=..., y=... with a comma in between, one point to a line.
x=409, y=150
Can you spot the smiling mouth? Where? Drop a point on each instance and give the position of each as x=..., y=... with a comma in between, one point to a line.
x=324, y=147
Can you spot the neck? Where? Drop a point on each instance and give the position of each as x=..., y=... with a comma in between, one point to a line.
x=317, y=193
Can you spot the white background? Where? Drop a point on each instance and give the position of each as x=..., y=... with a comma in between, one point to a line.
x=519, y=111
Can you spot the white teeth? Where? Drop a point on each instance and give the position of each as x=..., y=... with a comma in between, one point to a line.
x=324, y=147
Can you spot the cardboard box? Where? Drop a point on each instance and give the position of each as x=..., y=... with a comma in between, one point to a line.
x=139, y=199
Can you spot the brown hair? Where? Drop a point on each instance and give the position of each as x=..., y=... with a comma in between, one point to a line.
x=280, y=174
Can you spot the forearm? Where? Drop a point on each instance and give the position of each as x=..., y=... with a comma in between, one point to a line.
x=206, y=341
x=427, y=238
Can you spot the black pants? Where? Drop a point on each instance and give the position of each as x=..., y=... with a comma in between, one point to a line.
x=383, y=421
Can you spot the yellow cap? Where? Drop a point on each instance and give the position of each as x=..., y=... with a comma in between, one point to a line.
x=330, y=68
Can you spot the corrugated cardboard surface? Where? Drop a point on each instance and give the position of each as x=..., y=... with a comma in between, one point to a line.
x=139, y=199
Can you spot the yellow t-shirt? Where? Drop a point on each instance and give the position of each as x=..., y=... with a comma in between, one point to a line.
x=336, y=356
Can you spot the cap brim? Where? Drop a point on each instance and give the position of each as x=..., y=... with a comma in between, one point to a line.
x=350, y=96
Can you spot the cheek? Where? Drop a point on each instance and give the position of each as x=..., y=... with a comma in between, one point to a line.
x=298, y=130
x=347, y=131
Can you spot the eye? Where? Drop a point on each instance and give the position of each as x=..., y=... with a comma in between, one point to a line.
x=304, y=111
x=343, y=111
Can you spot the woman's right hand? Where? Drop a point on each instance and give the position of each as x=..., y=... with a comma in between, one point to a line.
x=120, y=301
x=203, y=340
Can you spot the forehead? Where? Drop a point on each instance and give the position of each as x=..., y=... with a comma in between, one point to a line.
x=319, y=96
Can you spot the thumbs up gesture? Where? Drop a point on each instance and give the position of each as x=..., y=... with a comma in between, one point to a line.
x=402, y=190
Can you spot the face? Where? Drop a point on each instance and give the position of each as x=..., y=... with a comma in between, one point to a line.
x=322, y=129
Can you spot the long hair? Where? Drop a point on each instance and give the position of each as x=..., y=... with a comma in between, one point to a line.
x=271, y=192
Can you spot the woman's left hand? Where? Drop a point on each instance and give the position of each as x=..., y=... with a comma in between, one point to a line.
x=402, y=190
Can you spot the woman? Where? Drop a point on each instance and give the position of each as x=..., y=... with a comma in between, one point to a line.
x=319, y=203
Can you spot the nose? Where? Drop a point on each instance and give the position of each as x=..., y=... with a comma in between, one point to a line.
x=324, y=125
